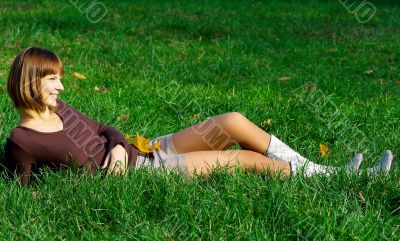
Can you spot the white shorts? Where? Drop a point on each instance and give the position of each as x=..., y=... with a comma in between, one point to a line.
x=165, y=158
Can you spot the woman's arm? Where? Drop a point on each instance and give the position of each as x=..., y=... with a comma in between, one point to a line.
x=112, y=135
x=18, y=161
x=117, y=156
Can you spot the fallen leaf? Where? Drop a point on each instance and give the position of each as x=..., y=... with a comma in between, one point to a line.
x=196, y=117
x=11, y=46
x=79, y=75
x=142, y=143
x=370, y=71
x=324, y=150
x=331, y=50
x=361, y=196
x=384, y=81
x=101, y=89
x=122, y=117
x=398, y=82
x=309, y=86
x=284, y=78
x=267, y=122
x=35, y=195
x=183, y=56
x=334, y=37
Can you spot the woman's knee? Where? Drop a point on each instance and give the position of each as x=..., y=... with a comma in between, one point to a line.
x=233, y=120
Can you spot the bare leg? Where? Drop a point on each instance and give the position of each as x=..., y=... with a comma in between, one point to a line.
x=220, y=132
x=203, y=162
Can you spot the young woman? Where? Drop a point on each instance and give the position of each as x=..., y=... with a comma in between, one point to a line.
x=51, y=133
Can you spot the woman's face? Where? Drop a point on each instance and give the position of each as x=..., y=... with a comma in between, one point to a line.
x=50, y=89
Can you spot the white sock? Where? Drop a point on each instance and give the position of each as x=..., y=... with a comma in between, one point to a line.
x=355, y=163
x=280, y=151
x=383, y=165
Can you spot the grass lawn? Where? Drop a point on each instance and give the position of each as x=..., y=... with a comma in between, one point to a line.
x=306, y=71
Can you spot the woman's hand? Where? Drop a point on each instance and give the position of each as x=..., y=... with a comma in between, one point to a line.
x=116, y=160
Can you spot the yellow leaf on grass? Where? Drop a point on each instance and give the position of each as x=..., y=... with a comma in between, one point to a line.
x=79, y=75
x=309, y=87
x=142, y=143
x=267, y=122
x=196, y=116
x=284, y=78
x=323, y=149
x=101, y=89
x=123, y=117
x=361, y=197
x=370, y=71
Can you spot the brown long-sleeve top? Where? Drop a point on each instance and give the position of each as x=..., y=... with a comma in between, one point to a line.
x=81, y=143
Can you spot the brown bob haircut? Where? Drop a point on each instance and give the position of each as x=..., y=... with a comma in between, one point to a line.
x=24, y=79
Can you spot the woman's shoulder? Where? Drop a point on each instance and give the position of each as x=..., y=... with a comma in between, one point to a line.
x=19, y=135
x=19, y=139
x=18, y=149
x=29, y=140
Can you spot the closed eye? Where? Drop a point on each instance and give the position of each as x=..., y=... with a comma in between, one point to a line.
x=53, y=78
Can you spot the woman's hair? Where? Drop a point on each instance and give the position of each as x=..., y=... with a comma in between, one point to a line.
x=24, y=79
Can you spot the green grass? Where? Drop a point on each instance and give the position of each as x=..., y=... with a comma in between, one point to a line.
x=236, y=54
